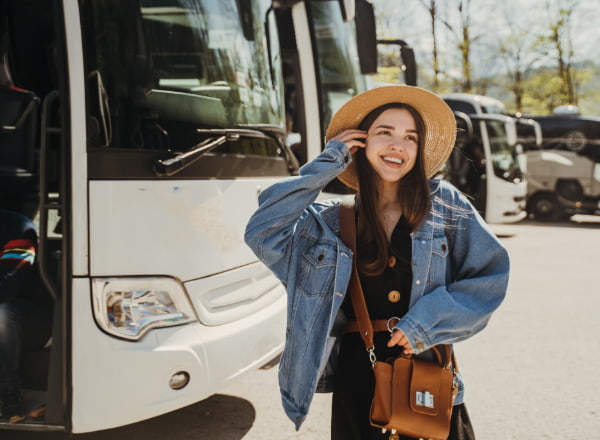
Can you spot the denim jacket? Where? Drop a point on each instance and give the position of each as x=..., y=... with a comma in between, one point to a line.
x=460, y=272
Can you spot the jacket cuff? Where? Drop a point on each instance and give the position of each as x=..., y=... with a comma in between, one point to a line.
x=415, y=334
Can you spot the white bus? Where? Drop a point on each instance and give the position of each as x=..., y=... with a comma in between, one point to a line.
x=487, y=165
x=143, y=131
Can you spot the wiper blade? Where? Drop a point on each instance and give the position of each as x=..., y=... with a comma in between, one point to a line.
x=173, y=165
x=234, y=134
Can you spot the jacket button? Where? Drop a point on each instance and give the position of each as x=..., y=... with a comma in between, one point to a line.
x=420, y=346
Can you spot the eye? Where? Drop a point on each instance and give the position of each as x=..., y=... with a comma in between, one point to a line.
x=412, y=138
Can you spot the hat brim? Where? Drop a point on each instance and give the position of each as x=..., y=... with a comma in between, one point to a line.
x=439, y=121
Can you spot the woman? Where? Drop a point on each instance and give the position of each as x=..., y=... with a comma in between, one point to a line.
x=423, y=254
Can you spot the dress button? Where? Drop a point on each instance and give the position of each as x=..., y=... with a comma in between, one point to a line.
x=394, y=296
x=392, y=261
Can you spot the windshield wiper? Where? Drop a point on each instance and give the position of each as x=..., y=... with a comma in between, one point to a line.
x=173, y=165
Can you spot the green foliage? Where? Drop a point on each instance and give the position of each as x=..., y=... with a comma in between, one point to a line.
x=529, y=57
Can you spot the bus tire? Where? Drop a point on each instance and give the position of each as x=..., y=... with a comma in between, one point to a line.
x=545, y=207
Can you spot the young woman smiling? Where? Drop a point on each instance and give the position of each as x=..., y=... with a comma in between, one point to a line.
x=424, y=255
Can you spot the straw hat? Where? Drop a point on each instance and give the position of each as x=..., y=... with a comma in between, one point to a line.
x=440, y=124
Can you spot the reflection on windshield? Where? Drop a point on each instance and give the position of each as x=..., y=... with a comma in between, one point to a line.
x=504, y=156
x=164, y=68
x=200, y=47
x=339, y=71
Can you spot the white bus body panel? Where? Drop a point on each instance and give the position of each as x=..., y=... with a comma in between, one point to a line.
x=196, y=226
x=309, y=80
x=196, y=230
x=78, y=136
x=117, y=382
x=506, y=202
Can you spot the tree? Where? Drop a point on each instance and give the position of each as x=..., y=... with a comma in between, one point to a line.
x=432, y=8
x=465, y=39
x=520, y=49
x=561, y=43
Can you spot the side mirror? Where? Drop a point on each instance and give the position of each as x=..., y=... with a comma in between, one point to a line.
x=407, y=55
x=366, y=37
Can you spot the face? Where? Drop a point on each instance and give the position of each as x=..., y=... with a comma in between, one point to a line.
x=392, y=145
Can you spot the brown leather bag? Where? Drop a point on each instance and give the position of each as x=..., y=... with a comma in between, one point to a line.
x=412, y=397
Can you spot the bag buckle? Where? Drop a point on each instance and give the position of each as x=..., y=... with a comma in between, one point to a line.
x=372, y=356
x=425, y=399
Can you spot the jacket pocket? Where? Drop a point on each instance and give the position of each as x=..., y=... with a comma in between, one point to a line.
x=317, y=268
x=439, y=261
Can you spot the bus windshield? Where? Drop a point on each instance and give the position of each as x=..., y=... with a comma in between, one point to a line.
x=161, y=69
x=504, y=155
x=338, y=63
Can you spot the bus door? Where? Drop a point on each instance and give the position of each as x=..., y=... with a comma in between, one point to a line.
x=327, y=51
x=33, y=161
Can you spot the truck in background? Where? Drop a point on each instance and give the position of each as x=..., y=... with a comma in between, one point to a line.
x=564, y=172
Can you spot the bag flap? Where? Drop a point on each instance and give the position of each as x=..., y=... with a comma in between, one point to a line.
x=425, y=387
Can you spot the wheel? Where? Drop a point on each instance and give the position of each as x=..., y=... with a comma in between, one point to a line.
x=545, y=207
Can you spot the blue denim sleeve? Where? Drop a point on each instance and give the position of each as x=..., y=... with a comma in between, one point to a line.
x=282, y=208
x=464, y=305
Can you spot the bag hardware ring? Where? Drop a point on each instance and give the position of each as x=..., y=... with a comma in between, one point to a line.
x=390, y=326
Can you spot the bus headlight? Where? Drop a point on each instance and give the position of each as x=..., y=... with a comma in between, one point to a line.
x=130, y=307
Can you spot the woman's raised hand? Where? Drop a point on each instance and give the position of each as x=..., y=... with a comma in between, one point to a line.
x=353, y=138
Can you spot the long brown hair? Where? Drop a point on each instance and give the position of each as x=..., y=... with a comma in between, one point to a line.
x=414, y=196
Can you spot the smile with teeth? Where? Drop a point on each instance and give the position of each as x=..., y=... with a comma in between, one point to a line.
x=393, y=159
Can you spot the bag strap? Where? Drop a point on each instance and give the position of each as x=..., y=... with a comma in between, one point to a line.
x=365, y=327
x=348, y=235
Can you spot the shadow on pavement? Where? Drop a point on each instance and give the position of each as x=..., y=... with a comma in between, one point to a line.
x=577, y=221
x=219, y=417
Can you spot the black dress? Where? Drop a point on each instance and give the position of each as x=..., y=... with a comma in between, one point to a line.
x=387, y=296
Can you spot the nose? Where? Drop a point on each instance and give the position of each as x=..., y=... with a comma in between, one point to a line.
x=397, y=143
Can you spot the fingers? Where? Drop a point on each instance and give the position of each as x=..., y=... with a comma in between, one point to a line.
x=353, y=138
x=399, y=338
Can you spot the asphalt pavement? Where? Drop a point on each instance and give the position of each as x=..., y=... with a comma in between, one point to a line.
x=533, y=373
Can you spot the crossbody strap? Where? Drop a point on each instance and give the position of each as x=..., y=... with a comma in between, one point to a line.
x=348, y=235
x=359, y=304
